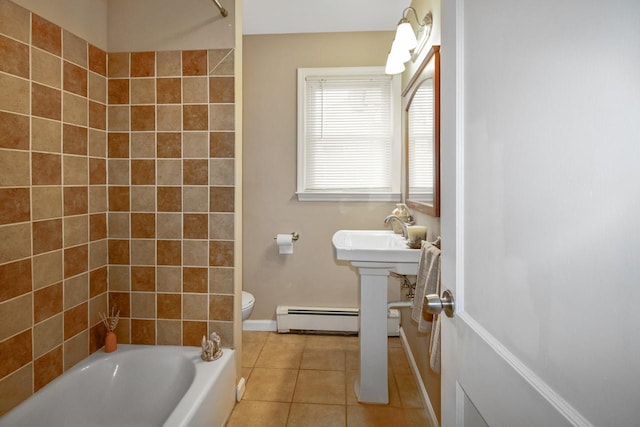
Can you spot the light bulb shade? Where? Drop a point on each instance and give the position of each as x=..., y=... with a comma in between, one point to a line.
x=405, y=37
x=394, y=66
x=402, y=55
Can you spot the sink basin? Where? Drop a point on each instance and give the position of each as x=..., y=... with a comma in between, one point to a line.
x=373, y=246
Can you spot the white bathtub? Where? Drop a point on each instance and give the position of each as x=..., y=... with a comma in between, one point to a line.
x=136, y=386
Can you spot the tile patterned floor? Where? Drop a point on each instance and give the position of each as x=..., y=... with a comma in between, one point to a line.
x=307, y=381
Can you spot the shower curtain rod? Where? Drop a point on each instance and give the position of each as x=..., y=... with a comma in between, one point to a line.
x=223, y=11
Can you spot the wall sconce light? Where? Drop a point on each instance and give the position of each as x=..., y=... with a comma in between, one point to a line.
x=406, y=44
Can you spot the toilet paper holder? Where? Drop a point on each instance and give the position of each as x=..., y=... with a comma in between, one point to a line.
x=294, y=236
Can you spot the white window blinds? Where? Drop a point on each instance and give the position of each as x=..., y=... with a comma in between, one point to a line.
x=348, y=133
x=420, y=136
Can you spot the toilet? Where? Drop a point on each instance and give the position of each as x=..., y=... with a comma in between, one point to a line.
x=247, y=304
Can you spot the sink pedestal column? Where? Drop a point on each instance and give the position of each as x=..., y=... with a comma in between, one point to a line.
x=371, y=383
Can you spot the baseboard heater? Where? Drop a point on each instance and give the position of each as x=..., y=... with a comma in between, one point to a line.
x=327, y=320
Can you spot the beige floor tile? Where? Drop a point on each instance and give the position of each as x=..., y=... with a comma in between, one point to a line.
x=352, y=359
x=398, y=361
x=328, y=342
x=276, y=338
x=246, y=373
x=250, y=353
x=320, y=387
x=374, y=416
x=249, y=413
x=394, y=397
x=394, y=342
x=416, y=418
x=284, y=356
x=314, y=415
x=254, y=337
x=273, y=385
x=408, y=389
x=328, y=360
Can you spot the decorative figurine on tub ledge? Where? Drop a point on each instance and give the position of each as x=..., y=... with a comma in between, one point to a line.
x=211, y=348
x=110, y=322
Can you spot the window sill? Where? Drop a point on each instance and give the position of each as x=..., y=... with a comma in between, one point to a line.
x=349, y=197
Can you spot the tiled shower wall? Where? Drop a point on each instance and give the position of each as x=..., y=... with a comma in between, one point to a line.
x=142, y=154
x=171, y=195
x=53, y=201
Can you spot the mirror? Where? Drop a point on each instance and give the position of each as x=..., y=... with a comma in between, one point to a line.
x=421, y=101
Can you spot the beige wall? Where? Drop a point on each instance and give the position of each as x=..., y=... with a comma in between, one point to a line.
x=146, y=25
x=85, y=18
x=310, y=276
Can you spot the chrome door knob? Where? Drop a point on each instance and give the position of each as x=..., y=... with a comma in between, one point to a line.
x=434, y=304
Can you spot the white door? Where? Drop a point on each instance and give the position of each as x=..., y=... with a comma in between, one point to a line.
x=541, y=212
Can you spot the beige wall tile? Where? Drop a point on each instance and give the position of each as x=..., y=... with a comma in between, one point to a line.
x=98, y=256
x=14, y=22
x=74, y=109
x=221, y=280
x=118, y=171
x=97, y=88
x=195, y=252
x=76, y=349
x=119, y=278
x=169, y=118
x=118, y=118
x=143, y=91
x=169, y=332
x=143, y=145
x=195, y=307
x=47, y=335
x=221, y=62
x=47, y=269
x=98, y=305
x=195, y=145
x=221, y=172
x=14, y=94
x=76, y=290
x=16, y=315
x=97, y=143
x=76, y=230
x=20, y=236
x=46, y=202
x=45, y=68
x=195, y=90
x=169, y=279
x=195, y=199
x=75, y=170
x=221, y=307
x=169, y=63
x=225, y=330
x=97, y=199
x=169, y=172
x=74, y=49
x=143, y=199
x=15, y=168
x=221, y=226
x=143, y=305
x=169, y=226
x=221, y=117
x=143, y=252
x=46, y=135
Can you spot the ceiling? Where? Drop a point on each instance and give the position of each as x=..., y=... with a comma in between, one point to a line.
x=318, y=16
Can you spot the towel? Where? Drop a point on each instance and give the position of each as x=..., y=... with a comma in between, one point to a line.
x=427, y=282
x=434, y=347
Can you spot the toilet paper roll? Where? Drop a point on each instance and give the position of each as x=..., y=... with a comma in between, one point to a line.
x=285, y=243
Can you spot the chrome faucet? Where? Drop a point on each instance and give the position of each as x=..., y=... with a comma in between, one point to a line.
x=405, y=232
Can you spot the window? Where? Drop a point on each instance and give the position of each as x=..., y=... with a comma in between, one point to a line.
x=348, y=134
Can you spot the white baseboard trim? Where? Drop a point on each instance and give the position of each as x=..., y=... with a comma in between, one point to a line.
x=240, y=389
x=416, y=374
x=260, y=325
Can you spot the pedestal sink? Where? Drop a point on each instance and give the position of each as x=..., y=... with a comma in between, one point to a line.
x=374, y=253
